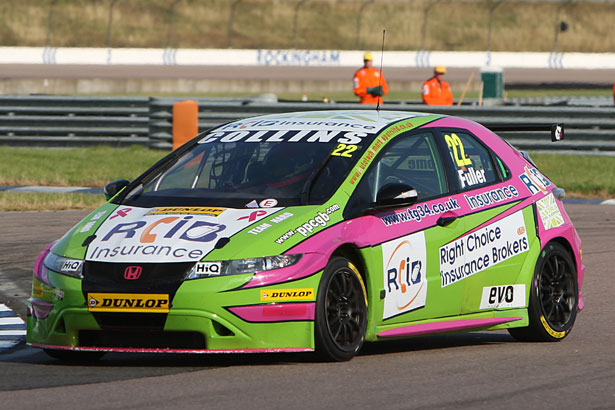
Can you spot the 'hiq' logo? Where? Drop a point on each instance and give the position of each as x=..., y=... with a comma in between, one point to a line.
x=167, y=227
x=404, y=274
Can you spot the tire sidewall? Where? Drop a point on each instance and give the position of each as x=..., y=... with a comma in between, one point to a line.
x=325, y=346
x=538, y=318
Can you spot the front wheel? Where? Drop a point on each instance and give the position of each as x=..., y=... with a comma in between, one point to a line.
x=341, y=311
x=554, y=296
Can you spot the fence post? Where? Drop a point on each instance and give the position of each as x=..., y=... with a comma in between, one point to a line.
x=185, y=122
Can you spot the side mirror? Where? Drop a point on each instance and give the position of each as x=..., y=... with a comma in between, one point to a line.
x=112, y=188
x=394, y=195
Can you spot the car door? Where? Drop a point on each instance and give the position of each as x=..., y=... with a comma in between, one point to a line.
x=404, y=255
x=493, y=249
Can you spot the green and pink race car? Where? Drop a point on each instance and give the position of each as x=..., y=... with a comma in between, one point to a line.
x=314, y=231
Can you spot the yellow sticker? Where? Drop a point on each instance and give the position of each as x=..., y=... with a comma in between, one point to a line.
x=277, y=295
x=37, y=291
x=186, y=210
x=128, y=302
x=550, y=331
x=459, y=154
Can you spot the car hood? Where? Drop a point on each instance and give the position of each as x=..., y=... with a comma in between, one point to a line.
x=123, y=234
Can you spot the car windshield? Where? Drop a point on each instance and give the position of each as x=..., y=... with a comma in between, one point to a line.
x=235, y=174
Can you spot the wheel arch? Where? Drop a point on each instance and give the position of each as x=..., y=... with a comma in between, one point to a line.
x=566, y=244
x=352, y=253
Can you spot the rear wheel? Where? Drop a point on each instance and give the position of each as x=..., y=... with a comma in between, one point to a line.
x=341, y=311
x=554, y=297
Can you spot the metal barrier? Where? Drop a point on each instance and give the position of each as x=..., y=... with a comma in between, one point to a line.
x=73, y=121
x=588, y=130
x=120, y=121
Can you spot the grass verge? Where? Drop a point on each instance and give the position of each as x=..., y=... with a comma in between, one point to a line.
x=581, y=176
x=22, y=201
x=93, y=167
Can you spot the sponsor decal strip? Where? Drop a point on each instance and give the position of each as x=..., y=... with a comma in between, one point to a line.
x=279, y=295
x=128, y=302
x=483, y=248
x=186, y=210
x=405, y=281
x=254, y=136
x=170, y=234
x=549, y=212
x=320, y=220
x=418, y=212
x=534, y=181
x=491, y=197
x=505, y=296
x=376, y=146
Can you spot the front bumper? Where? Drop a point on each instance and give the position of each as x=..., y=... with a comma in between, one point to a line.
x=213, y=315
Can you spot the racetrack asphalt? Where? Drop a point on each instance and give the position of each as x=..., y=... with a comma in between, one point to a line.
x=480, y=370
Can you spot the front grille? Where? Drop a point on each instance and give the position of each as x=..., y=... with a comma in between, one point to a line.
x=153, y=278
x=143, y=340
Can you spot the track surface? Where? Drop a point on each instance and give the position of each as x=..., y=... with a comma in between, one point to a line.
x=475, y=370
x=120, y=72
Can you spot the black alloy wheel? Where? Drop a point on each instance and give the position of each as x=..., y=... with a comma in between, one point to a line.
x=341, y=311
x=554, y=297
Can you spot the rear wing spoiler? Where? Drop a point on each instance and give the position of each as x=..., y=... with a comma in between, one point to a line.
x=557, y=130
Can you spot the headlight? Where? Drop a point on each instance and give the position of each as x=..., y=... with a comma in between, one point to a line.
x=239, y=266
x=65, y=266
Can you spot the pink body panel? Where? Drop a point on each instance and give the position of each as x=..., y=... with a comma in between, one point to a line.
x=275, y=312
x=448, y=326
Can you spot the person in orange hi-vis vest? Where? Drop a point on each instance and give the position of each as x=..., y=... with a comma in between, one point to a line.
x=369, y=83
x=436, y=91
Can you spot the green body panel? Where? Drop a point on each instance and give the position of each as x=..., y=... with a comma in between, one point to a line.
x=71, y=244
x=460, y=300
x=517, y=270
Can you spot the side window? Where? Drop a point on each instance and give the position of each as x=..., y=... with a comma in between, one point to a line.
x=411, y=160
x=471, y=160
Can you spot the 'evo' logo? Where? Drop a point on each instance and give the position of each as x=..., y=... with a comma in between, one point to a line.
x=506, y=296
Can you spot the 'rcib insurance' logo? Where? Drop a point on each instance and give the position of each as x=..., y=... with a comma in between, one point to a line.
x=405, y=282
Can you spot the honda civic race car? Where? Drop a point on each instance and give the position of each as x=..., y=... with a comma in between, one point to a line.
x=314, y=231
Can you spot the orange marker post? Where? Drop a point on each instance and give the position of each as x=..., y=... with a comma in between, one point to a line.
x=185, y=122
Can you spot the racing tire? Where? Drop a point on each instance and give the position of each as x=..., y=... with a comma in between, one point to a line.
x=341, y=311
x=554, y=297
x=74, y=357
